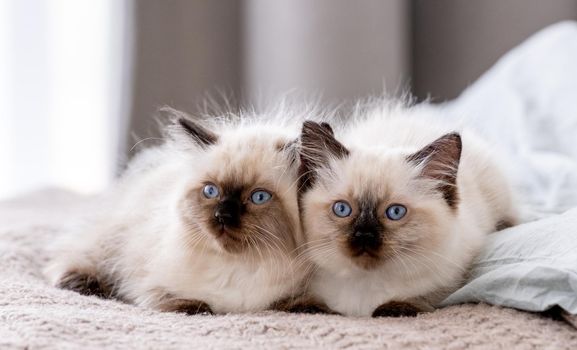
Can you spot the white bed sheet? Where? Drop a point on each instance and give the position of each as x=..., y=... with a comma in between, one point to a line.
x=526, y=106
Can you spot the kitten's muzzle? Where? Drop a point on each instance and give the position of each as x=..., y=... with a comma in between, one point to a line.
x=228, y=212
x=365, y=241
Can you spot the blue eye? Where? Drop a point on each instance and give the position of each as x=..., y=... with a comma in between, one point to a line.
x=210, y=191
x=260, y=197
x=396, y=212
x=342, y=209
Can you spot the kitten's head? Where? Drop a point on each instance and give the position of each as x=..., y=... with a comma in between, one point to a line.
x=241, y=196
x=367, y=208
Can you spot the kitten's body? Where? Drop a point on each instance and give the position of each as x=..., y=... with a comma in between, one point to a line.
x=376, y=165
x=149, y=244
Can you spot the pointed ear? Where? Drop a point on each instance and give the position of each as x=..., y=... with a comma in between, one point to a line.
x=184, y=129
x=318, y=147
x=327, y=128
x=197, y=132
x=440, y=161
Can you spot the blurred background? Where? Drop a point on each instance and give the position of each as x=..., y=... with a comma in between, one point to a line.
x=80, y=81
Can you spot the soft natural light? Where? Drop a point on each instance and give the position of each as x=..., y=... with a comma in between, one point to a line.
x=59, y=88
x=5, y=144
x=80, y=118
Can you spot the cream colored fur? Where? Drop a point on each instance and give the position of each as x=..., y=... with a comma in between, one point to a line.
x=379, y=142
x=139, y=239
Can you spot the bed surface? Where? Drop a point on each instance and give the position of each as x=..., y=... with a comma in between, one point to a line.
x=35, y=315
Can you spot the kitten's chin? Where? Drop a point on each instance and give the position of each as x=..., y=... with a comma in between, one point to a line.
x=345, y=264
x=229, y=241
x=364, y=258
x=367, y=261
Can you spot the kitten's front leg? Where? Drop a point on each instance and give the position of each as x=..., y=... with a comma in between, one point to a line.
x=397, y=309
x=187, y=306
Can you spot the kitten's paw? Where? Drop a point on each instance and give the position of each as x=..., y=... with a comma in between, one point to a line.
x=397, y=309
x=505, y=224
x=85, y=284
x=302, y=305
x=310, y=308
x=186, y=306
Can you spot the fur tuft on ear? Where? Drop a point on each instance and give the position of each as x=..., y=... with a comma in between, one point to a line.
x=290, y=150
x=184, y=125
x=318, y=146
x=440, y=161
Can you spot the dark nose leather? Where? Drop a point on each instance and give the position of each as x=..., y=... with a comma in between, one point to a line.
x=222, y=216
x=365, y=240
x=228, y=212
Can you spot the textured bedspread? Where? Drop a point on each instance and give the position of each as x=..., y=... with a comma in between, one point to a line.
x=34, y=315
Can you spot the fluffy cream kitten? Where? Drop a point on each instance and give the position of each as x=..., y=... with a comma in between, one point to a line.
x=206, y=222
x=395, y=211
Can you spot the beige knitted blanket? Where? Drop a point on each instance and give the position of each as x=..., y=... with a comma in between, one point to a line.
x=34, y=315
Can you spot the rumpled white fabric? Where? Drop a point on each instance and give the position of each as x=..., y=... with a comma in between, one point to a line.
x=526, y=106
x=530, y=267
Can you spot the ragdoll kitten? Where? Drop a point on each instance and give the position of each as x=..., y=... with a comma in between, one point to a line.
x=206, y=222
x=394, y=214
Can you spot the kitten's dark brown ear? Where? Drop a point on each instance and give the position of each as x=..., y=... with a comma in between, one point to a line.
x=440, y=161
x=318, y=146
x=327, y=128
x=184, y=128
x=197, y=132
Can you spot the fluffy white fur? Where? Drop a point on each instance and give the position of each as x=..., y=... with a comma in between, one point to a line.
x=140, y=240
x=447, y=240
